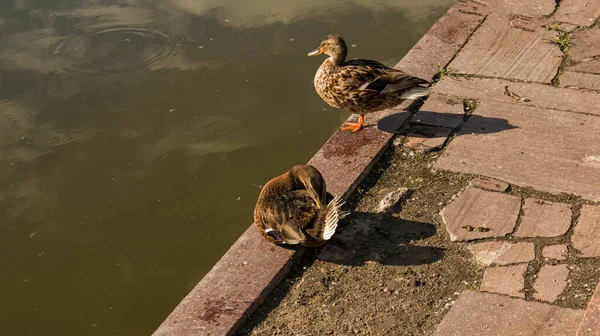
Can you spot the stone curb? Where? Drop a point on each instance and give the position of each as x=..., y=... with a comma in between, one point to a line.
x=250, y=269
x=590, y=326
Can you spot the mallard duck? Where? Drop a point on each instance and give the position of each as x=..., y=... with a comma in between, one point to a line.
x=292, y=208
x=361, y=86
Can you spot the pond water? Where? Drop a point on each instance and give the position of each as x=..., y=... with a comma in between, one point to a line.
x=135, y=136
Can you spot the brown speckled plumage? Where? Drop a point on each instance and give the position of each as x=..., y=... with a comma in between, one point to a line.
x=358, y=85
x=291, y=208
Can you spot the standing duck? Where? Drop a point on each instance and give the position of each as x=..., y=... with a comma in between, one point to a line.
x=292, y=208
x=360, y=86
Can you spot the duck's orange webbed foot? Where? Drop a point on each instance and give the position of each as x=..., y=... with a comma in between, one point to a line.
x=354, y=127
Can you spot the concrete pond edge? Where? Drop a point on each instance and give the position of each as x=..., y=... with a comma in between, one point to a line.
x=241, y=280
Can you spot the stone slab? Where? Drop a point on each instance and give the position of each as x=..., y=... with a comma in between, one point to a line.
x=498, y=50
x=426, y=138
x=555, y=252
x=489, y=183
x=485, y=314
x=579, y=12
x=532, y=94
x=590, y=326
x=548, y=150
x=502, y=252
x=585, y=44
x=550, y=282
x=591, y=66
x=544, y=219
x=508, y=280
x=249, y=270
x=440, y=44
x=441, y=110
x=586, y=233
x=532, y=8
x=477, y=214
x=580, y=80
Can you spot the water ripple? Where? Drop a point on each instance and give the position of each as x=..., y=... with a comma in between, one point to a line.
x=117, y=49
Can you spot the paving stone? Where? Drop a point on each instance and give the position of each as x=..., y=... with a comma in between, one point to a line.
x=580, y=80
x=509, y=280
x=477, y=214
x=590, y=326
x=531, y=8
x=532, y=94
x=440, y=44
x=489, y=183
x=426, y=138
x=592, y=66
x=485, y=314
x=562, y=26
x=586, y=233
x=555, y=252
x=579, y=12
x=550, y=282
x=585, y=44
x=498, y=50
x=502, y=252
x=549, y=150
x=544, y=219
x=441, y=110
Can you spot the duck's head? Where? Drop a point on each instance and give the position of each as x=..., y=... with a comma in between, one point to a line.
x=313, y=182
x=333, y=46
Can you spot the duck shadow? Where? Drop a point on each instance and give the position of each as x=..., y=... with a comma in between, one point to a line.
x=467, y=125
x=380, y=237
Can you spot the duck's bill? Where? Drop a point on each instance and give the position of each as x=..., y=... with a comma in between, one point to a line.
x=315, y=52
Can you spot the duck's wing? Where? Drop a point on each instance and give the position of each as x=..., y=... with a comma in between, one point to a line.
x=369, y=75
x=284, y=217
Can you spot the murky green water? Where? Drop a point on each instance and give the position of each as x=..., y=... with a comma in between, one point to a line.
x=134, y=137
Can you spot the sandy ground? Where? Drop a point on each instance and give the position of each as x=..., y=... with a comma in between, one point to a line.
x=400, y=273
x=399, y=278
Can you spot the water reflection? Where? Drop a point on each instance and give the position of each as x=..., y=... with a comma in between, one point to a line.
x=134, y=136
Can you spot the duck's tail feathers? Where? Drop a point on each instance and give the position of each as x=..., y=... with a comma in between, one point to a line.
x=416, y=92
x=333, y=213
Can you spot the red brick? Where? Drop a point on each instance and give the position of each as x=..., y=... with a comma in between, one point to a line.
x=550, y=282
x=426, y=138
x=555, y=252
x=477, y=214
x=440, y=44
x=502, y=252
x=531, y=8
x=549, y=150
x=544, y=219
x=586, y=233
x=489, y=184
x=533, y=94
x=485, y=314
x=591, y=66
x=579, y=12
x=580, y=80
x=507, y=280
x=585, y=44
x=499, y=50
x=590, y=326
x=441, y=110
